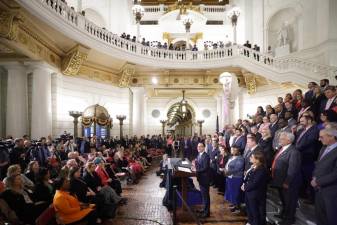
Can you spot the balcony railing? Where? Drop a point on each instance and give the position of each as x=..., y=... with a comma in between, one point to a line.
x=216, y=57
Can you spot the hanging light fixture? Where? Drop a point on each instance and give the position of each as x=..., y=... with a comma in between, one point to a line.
x=183, y=106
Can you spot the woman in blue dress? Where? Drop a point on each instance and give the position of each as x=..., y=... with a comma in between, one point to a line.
x=234, y=177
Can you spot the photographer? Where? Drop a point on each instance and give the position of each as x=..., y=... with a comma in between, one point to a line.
x=17, y=154
x=41, y=153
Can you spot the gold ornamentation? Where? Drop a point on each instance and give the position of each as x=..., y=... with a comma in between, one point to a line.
x=72, y=63
x=250, y=84
x=9, y=24
x=128, y=71
x=183, y=8
x=167, y=36
x=197, y=37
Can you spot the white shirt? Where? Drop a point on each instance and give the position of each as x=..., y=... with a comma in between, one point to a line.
x=329, y=102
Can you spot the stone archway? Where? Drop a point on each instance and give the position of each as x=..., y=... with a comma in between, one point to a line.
x=182, y=125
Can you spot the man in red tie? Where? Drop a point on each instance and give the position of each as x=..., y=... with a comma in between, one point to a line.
x=286, y=177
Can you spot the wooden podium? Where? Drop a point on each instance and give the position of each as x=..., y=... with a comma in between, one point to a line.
x=184, y=182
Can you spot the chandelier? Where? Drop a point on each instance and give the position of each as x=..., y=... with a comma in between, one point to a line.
x=183, y=106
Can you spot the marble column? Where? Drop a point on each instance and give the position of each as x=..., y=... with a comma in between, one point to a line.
x=17, y=100
x=138, y=111
x=41, y=119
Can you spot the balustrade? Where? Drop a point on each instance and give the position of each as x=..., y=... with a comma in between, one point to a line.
x=278, y=65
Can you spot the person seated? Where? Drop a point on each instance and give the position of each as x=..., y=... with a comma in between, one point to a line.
x=68, y=209
x=44, y=190
x=18, y=200
x=105, y=177
x=32, y=171
x=16, y=170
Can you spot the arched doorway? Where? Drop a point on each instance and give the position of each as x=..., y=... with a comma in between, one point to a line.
x=181, y=123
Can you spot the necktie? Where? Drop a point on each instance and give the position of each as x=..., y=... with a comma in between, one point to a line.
x=326, y=151
x=274, y=161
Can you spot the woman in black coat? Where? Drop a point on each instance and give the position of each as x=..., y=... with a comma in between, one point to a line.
x=44, y=191
x=255, y=188
x=266, y=144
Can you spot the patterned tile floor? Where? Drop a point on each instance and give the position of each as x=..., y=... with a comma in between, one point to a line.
x=145, y=206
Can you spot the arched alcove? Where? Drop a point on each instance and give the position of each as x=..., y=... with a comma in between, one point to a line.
x=95, y=17
x=287, y=16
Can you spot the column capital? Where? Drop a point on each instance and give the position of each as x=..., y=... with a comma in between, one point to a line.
x=13, y=65
x=40, y=65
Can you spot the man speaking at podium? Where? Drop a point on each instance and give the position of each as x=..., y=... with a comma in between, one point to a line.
x=203, y=172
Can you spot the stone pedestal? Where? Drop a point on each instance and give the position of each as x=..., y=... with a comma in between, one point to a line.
x=282, y=51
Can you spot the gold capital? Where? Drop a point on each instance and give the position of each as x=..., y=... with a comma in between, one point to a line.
x=9, y=22
x=73, y=61
x=127, y=72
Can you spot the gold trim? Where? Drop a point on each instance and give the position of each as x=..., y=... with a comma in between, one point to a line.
x=73, y=61
x=9, y=24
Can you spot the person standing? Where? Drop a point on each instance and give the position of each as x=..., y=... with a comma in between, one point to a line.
x=202, y=166
x=325, y=179
x=255, y=189
x=286, y=177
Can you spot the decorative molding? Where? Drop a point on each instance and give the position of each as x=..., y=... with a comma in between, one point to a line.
x=73, y=61
x=9, y=22
x=251, y=85
x=95, y=74
x=32, y=47
x=5, y=49
x=128, y=71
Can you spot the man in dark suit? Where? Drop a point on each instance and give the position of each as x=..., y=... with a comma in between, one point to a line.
x=251, y=148
x=214, y=154
x=286, y=176
x=307, y=144
x=257, y=134
x=325, y=179
x=187, y=145
x=310, y=93
x=240, y=140
x=273, y=124
x=330, y=103
x=202, y=166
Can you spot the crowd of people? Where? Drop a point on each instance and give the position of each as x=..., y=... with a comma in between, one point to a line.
x=290, y=147
x=78, y=180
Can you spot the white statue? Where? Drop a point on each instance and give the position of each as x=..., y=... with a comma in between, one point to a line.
x=283, y=35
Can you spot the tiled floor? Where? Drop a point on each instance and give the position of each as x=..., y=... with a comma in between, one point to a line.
x=145, y=206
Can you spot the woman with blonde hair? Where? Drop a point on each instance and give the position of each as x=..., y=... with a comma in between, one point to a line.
x=266, y=144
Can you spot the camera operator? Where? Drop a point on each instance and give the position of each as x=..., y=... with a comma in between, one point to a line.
x=4, y=160
x=41, y=153
x=17, y=154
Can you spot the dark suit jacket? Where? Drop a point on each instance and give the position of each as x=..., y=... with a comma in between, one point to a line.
x=247, y=156
x=202, y=166
x=214, y=154
x=308, y=145
x=326, y=173
x=267, y=149
x=287, y=168
x=273, y=128
x=255, y=183
x=240, y=143
x=309, y=95
x=325, y=101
